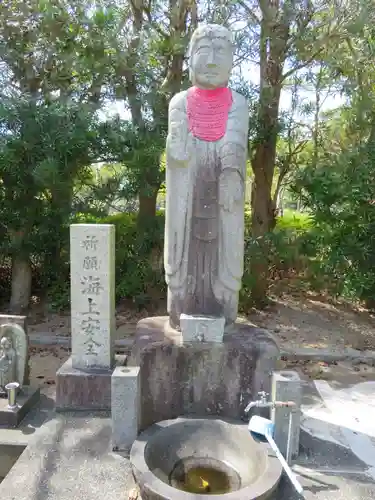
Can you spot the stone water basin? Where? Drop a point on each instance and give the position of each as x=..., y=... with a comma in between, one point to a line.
x=9, y=454
x=190, y=458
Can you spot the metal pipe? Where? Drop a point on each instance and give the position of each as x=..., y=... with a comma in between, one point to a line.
x=12, y=388
x=269, y=404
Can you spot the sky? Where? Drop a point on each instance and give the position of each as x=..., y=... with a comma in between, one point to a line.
x=330, y=100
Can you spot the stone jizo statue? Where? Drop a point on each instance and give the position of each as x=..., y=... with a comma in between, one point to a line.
x=7, y=363
x=13, y=347
x=206, y=167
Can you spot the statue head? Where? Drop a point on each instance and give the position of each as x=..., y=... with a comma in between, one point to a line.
x=5, y=343
x=211, y=56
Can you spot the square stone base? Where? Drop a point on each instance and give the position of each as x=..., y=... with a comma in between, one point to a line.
x=201, y=378
x=84, y=390
x=26, y=399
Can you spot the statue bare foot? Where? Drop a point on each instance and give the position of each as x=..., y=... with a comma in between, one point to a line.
x=134, y=494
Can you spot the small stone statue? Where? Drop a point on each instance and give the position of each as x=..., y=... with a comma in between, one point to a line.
x=206, y=167
x=13, y=354
x=8, y=362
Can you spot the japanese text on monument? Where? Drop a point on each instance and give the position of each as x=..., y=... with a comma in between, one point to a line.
x=91, y=286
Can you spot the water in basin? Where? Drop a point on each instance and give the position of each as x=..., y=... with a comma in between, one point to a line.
x=189, y=456
x=204, y=475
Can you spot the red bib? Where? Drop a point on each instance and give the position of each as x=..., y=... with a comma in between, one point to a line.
x=207, y=112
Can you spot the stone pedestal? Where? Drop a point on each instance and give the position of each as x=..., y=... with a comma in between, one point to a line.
x=84, y=389
x=26, y=399
x=200, y=378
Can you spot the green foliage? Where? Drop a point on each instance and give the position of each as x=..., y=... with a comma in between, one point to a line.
x=341, y=194
x=139, y=275
x=136, y=277
x=289, y=251
x=139, y=265
x=65, y=60
x=295, y=223
x=43, y=150
x=143, y=168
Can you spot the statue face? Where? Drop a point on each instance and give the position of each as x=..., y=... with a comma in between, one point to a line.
x=5, y=343
x=211, y=62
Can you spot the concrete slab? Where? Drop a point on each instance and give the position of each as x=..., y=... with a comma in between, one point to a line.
x=21, y=435
x=327, y=471
x=328, y=487
x=70, y=458
x=9, y=455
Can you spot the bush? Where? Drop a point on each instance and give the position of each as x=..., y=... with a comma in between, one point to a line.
x=340, y=192
x=294, y=222
x=139, y=275
x=290, y=248
x=291, y=242
x=139, y=264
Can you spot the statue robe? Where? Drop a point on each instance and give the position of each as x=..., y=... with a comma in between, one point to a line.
x=204, y=227
x=7, y=368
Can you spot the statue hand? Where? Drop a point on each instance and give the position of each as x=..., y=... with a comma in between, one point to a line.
x=227, y=201
x=231, y=192
x=177, y=153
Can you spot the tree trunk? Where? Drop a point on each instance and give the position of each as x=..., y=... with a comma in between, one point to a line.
x=274, y=36
x=147, y=205
x=263, y=218
x=262, y=223
x=21, y=285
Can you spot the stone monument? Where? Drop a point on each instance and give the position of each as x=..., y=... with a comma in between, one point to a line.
x=205, y=184
x=84, y=380
x=202, y=359
x=14, y=371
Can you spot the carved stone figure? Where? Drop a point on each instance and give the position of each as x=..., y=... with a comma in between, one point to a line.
x=7, y=363
x=206, y=166
x=13, y=353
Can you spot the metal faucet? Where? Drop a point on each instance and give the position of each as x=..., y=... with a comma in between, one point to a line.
x=264, y=403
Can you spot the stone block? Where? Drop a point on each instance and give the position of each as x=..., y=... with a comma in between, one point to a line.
x=287, y=386
x=26, y=399
x=200, y=378
x=202, y=328
x=92, y=249
x=125, y=407
x=83, y=389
